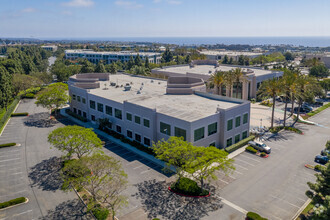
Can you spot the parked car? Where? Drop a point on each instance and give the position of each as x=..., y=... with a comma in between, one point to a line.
x=321, y=159
x=325, y=152
x=306, y=106
x=260, y=146
x=302, y=110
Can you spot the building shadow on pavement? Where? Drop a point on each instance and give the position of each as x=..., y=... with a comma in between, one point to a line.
x=71, y=209
x=46, y=174
x=157, y=200
x=40, y=120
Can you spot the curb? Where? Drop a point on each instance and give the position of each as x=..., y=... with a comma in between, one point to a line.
x=301, y=209
x=27, y=200
x=10, y=117
x=180, y=194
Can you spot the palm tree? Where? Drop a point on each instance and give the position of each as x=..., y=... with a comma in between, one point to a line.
x=218, y=79
x=288, y=88
x=238, y=73
x=229, y=80
x=270, y=88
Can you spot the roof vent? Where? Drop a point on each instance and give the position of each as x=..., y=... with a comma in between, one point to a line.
x=138, y=92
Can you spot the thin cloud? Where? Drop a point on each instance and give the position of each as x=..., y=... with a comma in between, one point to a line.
x=66, y=13
x=174, y=2
x=157, y=1
x=28, y=10
x=79, y=3
x=128, y=4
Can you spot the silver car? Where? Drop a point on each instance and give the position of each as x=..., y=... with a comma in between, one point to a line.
x=260, y=146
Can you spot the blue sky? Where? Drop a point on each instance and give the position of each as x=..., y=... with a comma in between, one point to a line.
x=163, y=18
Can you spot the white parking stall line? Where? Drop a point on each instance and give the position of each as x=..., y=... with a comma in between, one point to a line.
x=138, y=167
x=10, y=159
x=259, y=211
x=145, y=171
x=222, y=173
x=245, y=162
x=10, y=151
x=275, y=197
x=233, y=205
x=250, y=158
x=16, y=173
x=309, y=174
x=15, y=193
x=238, y=172
x=241, y=167
x=223, y=181
x=13, y=179
x=22, y=213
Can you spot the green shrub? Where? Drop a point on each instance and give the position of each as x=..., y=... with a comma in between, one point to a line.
x=12, y=202
x=253, y=100
x=318, y=110
x=254, y=216
x=19, y=114
x=188, y=187
x=6, y=116
x=79, y=117
x=28, y=96
x=240, y=144
x=266, y=103
x=100, y=213
x=251, y=150
x=7, y=145
x=279, y=128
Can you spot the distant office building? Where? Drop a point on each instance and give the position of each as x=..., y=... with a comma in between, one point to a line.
x=324, y=57
x=52, y=48
x=111, y=56
x=247, y=88
x=147, y=110
x=220, y=54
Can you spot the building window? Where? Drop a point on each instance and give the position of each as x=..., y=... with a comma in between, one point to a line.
x=244, y=135
x=78, y=98
x=118, y=114
x=83, y=100
x=229, y=142
x=137, y=119
x=199, y=134
x=212, y=144
x=92, y=104
x=100, y=107
x=108, y=110
x=118, y=129
x=73, y=97
x=237, y=121
x=245, y=118
x=79, y=112
x=237, y=138
x=129, y=134
x=128, y=116
x=165, y=128
x=229, y=124
x=75, y=110
x=146, y=123
x=138, y=137
x=212, y=128
x=93, y=117
x=84, y=115
x=178, y=132
x=146, y=141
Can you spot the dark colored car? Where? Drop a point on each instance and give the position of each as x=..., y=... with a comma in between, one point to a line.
x=325, y=152
x=321, y=159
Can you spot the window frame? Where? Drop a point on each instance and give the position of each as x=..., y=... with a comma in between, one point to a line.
x=213, y=132
x=168, y=132
x=144, y=124
x=91, y=106
x=199, y=138
x=175, y=134
x=247, y=118
x=127, y=113
x=232, y=123
x=239, y=121
x=135, y=119
x=121, y=114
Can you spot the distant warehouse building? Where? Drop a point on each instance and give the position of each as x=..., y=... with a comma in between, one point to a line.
x=324, y=57
x=220, y=54
x=111, y=56
x=247, y=87
x=52, y=48
x=147, y=110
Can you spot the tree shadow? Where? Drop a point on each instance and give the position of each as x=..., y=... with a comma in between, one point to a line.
x=71, y=209
x=40, y=120
x=157, y=200
x=46, y=174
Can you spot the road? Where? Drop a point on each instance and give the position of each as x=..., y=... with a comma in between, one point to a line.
x=275, y=187
x=31, y=170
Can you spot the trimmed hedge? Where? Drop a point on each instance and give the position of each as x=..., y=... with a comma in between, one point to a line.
x=240, y=144
x=312, y=113
x=188, y=187
x=254, y=216
x=10, y=110
x=7, y=145
x=122, y=138
x=279, y=128
x=79, y=117
x=12, y=202
x=28, y=96
x=251, y=150
x=19, y=114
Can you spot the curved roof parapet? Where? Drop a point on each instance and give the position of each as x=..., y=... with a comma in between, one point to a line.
x=204, y=62
x=88, y=80
x=184, y=85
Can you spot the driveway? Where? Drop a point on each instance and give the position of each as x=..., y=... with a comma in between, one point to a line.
x=31, y=170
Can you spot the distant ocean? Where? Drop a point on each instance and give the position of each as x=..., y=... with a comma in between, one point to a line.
x=295, y=41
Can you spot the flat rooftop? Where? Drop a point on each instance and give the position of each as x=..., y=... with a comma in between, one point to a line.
x=111, y=52
x=230, y=53
x=209, y=69
x=153, y=96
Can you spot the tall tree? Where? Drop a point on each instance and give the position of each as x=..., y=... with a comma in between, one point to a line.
x=229, y=81
x=241, y=60
x=137, y=60
x=225, y=59
x=130, y=63
x=218, y=79
x=319, y=71
x=5, y=87
x=238, y=74
x=23, y=82
x=87, y=67
x=100, y=67
x=188, y=59
x=167, y=55
x=288, y=89
x=75, y=140
x=288, y=56
x=270, y=88
x=146, y=63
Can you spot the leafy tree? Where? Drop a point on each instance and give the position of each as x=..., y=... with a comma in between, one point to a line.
x=320, y=71
x=113, y=68
x=241, y=60
x=53, y=97
x=167, y=55
x=75, y=140
x=87, y=67
x=288, y=56
x=23, y=82
x=146, y=63
x=130, y=63
x=288, y=88
x=5, y=87
x=139, y=70
x=100, y=68
x=137, y=60
x=231, y=60
x=229, y=81
x=238, y=74
x=225, y=59
x=247, y=61
x=102, y=176
x=325, y=83
x=188, y=59
x=218, y=79
x=44, y=77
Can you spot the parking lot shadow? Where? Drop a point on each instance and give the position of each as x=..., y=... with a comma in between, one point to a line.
x=71, y=209
x=40, y=120
x=46, y=174
x=157, y=200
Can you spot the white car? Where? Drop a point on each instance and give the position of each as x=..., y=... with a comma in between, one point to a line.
x=260, y=146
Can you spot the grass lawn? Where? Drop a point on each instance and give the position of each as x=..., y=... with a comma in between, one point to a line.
x=306, y=211
x=318, y=110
